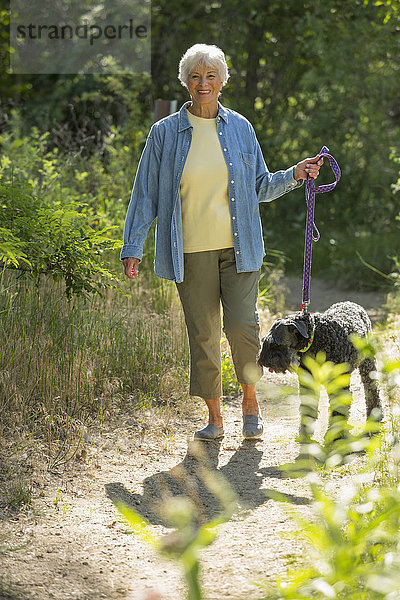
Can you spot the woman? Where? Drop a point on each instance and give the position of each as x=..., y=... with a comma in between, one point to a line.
x=202, y=175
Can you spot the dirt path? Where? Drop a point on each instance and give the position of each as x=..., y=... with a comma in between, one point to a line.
x=73, y=545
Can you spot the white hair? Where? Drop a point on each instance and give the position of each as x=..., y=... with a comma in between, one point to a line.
x=204, y=54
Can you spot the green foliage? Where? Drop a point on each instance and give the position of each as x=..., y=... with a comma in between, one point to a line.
x=11, y=248
x=55, y=239
x=230, y=384
x=340, y=444
x=271, y=292
x=355, y=547
x=101, y=185
x=353, y=536
x=79, y=113
x=58, y=212
x=395, y=274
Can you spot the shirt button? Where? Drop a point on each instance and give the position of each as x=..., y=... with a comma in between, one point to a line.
x=220, y=133
x=237, y=251
x=232, y=181
x=224, y=149
x=233, y=218
x=235, y=233
x=230, y=164
x=233, y=199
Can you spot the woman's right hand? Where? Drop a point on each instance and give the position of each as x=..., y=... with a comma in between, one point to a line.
x=131, y=266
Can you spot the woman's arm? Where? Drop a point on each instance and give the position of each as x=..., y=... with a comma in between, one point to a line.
x=142, y=209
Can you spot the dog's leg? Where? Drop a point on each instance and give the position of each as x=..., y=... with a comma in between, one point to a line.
x=340, y=404
x=372, y=399
x=308, y=414
x=339, y=408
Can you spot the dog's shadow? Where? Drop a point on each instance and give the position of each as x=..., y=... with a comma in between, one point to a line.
x=243, y=474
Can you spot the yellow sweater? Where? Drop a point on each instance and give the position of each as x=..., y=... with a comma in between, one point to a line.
x=204, y=191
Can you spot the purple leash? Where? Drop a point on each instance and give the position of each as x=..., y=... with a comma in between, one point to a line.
x=311, y=190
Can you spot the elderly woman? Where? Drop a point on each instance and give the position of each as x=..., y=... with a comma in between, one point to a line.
x=202, y=175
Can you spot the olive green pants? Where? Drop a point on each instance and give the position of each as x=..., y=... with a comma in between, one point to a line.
x=211, y=279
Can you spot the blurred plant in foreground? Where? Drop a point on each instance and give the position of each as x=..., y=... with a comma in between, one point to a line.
x=340, y=443
x=354, y=540
x=230, y=384
x=353, y=537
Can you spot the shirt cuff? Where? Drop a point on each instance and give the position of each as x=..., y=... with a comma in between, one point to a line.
x=290, y=181
x=298, y=183
x=131, y=250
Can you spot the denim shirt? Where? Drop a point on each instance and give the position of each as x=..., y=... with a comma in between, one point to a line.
x=156, y=191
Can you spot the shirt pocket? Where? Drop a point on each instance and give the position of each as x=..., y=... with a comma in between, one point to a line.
x=249, y=169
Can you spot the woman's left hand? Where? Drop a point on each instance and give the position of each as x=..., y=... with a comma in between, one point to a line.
x=308, y=166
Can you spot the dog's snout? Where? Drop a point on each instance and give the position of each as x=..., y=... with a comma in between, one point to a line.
x=274, y=356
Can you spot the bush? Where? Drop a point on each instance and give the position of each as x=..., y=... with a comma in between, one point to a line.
x=52, y=239
x=59, y=212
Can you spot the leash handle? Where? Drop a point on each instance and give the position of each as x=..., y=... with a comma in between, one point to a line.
x=310, y=237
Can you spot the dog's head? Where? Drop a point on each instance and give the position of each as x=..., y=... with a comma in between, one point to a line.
x=284, y=340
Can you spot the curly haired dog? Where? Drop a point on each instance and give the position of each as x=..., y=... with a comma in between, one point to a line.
x=291, y=339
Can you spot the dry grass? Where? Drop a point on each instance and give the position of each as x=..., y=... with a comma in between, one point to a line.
x=67, y=366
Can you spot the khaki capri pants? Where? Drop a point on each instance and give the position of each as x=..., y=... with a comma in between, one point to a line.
x=211, y=279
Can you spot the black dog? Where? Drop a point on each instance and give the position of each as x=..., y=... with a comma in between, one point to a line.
x=291, y=339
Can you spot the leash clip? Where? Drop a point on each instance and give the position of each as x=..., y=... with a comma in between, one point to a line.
x=304, y=308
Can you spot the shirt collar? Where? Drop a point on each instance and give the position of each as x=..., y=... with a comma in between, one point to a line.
x=184, y=122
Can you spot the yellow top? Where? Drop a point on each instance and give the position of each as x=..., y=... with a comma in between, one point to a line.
x=204, y=191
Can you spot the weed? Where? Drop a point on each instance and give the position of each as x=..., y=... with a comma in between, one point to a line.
x=59, y=498
x=65, y=365
x=77, y=358
x=272, y=292
x=230, y=384
x=18, y=493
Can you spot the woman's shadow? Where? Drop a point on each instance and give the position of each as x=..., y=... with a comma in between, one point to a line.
x=242, y=475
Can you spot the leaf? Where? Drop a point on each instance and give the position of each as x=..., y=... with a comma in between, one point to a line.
x=140, y=526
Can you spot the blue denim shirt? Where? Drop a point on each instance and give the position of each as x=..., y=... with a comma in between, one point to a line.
x=156, y=191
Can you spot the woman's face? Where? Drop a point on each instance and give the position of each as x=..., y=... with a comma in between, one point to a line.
x=204, y=84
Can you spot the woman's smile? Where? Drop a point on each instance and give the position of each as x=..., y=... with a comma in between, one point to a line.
x=204, y=86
